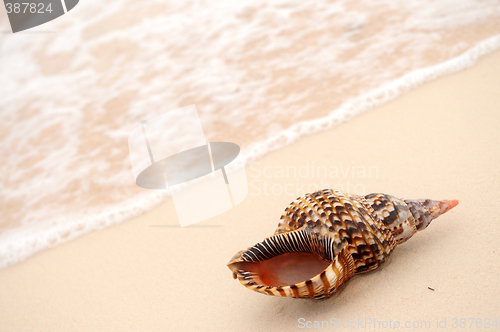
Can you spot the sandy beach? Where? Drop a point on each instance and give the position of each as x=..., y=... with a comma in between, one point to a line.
x=439, y=141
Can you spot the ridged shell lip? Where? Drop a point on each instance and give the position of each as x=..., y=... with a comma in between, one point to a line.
x=295, y=290
x=320, y=286
x=339, y=264
x=298, y=241
x=236, y=258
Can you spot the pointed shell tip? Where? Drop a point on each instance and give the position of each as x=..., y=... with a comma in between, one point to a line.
x=452, y=203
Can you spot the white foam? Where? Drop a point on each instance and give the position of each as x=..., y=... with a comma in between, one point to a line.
x=21, y=243
x=373, y=99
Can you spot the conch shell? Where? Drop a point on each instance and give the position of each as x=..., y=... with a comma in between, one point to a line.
x=325, y=238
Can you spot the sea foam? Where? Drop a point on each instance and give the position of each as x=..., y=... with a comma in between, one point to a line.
x=261, y=74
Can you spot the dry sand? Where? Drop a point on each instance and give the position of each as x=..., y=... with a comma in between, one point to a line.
x=439, y=141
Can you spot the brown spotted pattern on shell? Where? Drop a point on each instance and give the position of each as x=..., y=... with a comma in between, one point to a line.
x=326, y=237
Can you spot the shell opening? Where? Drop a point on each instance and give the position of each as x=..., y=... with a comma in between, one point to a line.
x=285, y=259
x=285, y=269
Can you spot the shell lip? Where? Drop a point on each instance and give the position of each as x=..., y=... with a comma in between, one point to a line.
x=236, y=258
x=252, y=282
x=340, y=265
x=281, y=243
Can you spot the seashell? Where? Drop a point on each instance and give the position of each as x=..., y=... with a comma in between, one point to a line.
x=326, y=237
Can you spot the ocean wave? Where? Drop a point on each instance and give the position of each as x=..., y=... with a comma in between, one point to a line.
x=261, y=74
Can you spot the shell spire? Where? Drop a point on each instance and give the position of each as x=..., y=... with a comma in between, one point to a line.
x=426, y=210
x=326, y=237
x=404, y=217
